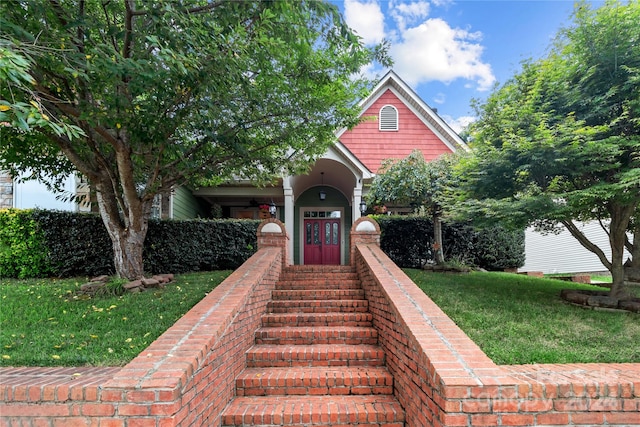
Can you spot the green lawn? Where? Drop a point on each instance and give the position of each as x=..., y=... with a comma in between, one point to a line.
x=517, y=319
x=43, y=322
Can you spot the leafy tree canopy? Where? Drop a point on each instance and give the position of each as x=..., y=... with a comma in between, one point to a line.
x=414, y=182
x=141, y=96
x=560, y=141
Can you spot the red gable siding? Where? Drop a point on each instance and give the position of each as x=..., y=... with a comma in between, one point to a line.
x=372, y=146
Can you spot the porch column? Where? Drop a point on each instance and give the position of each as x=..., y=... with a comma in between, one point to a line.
x=357, y=198
x=288, y=215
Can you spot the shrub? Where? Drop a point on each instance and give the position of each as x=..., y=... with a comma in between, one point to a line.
x=195, y=245
x=408, y=242
x=22, y=249
x=37, y=243
x=498, y=248
x=77, y=243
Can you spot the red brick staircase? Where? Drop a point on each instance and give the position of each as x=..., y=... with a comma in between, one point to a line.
x=315, y=361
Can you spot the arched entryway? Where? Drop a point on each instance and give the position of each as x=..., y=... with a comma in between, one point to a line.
x=322, y=225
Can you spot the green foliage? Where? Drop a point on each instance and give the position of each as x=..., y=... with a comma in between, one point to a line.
x=140, y=97
x=44, y=322
x=77, y=243
x=498, y=248
x=560, y=141
x=38, y=243
x=23, y=250
x=113, y=288
x=408, y=242
x=194, y=245
x=414, y=182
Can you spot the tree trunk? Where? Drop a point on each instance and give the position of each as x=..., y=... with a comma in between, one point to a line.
x=127, y=253
x=617, y=239
x=437, y=237
x=127, y=232
x=635, y=247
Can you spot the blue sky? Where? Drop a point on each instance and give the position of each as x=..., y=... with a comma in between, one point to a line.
x=451, y=52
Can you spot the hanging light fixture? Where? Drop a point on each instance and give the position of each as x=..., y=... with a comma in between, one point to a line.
x=322, y=194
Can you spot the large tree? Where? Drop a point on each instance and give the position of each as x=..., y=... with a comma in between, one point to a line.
x=559, y=143
x=142, y=96
x=414, y=182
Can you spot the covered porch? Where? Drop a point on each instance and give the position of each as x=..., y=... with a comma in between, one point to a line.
x=317, y=208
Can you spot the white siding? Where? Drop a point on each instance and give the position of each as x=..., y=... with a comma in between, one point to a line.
x=561, y=253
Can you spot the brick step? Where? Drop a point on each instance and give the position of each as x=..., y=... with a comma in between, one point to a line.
x=314, y=275
x=314, y=381
x=315, y=294
x=317, y=319
x=318, y=269
x=328, y=411
x=351, y=275
x=314, y=355
x=312, y=284
x=305, y=335
x=318, y=306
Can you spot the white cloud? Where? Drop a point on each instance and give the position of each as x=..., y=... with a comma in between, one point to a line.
x=366, y=19
x=422, y=49
x=440, y=98
x=408, y=13
x=458, y=124
x=435, y=51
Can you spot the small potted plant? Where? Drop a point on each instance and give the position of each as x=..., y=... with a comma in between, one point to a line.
x=264, y=211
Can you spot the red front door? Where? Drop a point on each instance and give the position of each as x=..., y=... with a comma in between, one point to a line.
x=322, y=241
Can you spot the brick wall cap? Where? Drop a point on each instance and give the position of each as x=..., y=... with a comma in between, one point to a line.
x=272, y=226
x=365, y=225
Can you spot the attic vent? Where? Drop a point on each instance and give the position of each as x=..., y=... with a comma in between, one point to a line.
x=388, y=118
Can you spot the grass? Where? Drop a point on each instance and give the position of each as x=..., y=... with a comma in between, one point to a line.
x=517, y=319
x=43, y=322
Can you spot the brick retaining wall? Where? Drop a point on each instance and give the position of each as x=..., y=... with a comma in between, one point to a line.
x=442, y=378
x=184, y=378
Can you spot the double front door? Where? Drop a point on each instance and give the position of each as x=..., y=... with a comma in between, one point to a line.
x=322, y=241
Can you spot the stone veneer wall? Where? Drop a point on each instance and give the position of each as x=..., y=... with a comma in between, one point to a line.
x=6, y=190
x=442, y=378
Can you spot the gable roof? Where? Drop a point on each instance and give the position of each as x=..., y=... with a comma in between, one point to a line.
x=420, y=127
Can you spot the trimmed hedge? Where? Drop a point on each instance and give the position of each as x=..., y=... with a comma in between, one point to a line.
x=76, y=244
x=194, y=245
x=408, y=242
x=40, y=243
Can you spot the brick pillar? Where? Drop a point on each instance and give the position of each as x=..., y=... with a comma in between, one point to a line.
x=271, y=232
x=365, y=230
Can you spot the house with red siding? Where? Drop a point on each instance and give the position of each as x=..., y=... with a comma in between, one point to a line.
x=319, y=207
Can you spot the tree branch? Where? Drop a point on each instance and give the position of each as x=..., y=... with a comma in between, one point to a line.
x=60, y=14
x=128, y=25
x=586, y=243
x=194, y=10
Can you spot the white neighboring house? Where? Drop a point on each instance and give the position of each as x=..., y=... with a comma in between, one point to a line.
x=561, y=253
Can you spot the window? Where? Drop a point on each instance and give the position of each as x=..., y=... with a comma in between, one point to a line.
x=388, y=118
